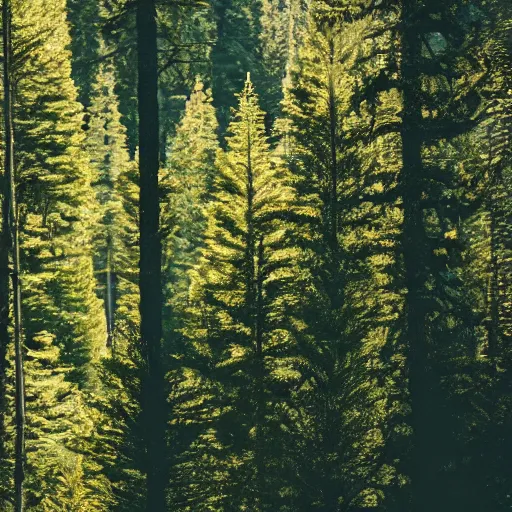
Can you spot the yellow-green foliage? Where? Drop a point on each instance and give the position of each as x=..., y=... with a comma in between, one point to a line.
x=244, y=292
x=187, y=182
x=56, y=200
x=115, y=233
x=59, y=426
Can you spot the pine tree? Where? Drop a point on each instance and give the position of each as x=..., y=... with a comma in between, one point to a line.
x=187, y=183
x=282, y=32
x=115, y=258
x=487, y=261
x=116, y=249
x=85, y=18
x=430, y=69
x=244, y=292
x=54, y=197
x=353, y=298
x=59, y=424
x=185, y=35
x=11, y=227
x=236, y=51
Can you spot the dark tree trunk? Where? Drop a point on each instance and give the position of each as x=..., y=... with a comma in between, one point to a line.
x=153, y=395
x=415, y=252
x=494, y=299
x=259, y=379
x=12, y=237
x=109, y=295
x=4, y=313
x=334, y=156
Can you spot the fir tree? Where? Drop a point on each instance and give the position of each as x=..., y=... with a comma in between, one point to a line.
x=187, y=183
x=434, y=80
x=351, y=260
x=244, y=294
x=84, y=18
x=59, y=424
x=54, y=195
x=115, y=259
x=56, y=198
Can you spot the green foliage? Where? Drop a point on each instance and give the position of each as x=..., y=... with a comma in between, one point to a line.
x=55, y=196
x=351, y=411
x=59, y=425
x=84, y=19
x=257, y=37
x=116, y=242
x=337, y=278
x=243, y=292
x=115, y=235
x=187, y=184
x=185, y=34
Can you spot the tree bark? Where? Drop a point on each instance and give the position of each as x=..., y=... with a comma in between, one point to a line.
x=109, y=296
x=13, y=244
x=153, y=396
x=494, y=299
x=4, y=311
x=260, y=375
x=414, y=253
x=334, y=155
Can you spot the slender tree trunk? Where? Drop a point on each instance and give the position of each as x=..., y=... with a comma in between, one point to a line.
x=414, y=252
x=4, y=297
x=334, y=156
x=250, y=243
x=109, y=296
x=259, y=376
x=494, y=301
x=260, y=313
x=12, y=231
x=4, y=315
x=153, y=394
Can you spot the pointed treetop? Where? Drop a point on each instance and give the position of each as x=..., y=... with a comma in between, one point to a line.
x=198, y=86
x=248, y=90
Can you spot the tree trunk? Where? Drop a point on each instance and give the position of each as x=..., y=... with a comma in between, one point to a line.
x=334, y=156
x=250, y=242
x=259, y=377
x=12, y=237
x=109, y=296
x=494, y=301
x=414, y=252
x=4, y=314
x=153, y=395
x=4, y=317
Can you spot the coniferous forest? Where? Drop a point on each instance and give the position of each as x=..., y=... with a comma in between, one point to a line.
x=256, y=255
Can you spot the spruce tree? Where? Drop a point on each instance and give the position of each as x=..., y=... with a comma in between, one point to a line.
x=235, y=52
x=85, y=19
x=59, y=426
x=115, y=261
x=434, y=78
x=351, y=304
x=187, y=185
x=55, y=199
x=12, y=235
x=244, y=292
